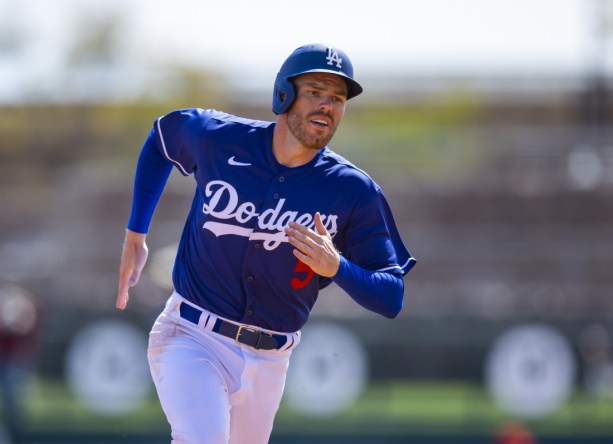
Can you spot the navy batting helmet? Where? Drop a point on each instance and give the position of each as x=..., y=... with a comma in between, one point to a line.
x=311, y=58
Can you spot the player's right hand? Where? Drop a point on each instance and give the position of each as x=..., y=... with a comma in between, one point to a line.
x=133, y=261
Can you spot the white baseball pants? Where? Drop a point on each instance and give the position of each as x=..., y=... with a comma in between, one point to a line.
x=212, y=389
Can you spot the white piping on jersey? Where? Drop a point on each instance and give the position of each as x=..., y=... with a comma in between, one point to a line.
x=393, y=267
x=398, y=267
x=185, y=173
x=406, y=264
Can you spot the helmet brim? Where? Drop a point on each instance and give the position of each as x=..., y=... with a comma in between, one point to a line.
x=353, y=87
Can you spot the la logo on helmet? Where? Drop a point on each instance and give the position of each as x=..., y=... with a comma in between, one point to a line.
x=333, y=57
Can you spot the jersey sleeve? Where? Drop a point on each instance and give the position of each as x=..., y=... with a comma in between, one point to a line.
x=179, y=134
x=376, y=291
x=405, y=259
x=373, y=240
x=152, y=172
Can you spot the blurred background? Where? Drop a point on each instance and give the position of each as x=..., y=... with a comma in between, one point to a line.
x=488, y=123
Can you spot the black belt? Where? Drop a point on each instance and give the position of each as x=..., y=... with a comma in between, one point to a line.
x=243, y=334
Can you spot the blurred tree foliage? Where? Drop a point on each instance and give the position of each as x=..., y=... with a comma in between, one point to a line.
x=422, y=141
x=426, y=141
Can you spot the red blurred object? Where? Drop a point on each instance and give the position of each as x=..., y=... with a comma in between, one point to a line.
x=513, y=432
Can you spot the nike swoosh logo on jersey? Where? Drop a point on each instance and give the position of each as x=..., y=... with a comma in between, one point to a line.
x=234, y=162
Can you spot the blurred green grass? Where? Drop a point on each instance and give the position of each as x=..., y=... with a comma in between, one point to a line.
x=397, y=407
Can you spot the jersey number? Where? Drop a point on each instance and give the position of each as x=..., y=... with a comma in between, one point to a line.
x=302, y=268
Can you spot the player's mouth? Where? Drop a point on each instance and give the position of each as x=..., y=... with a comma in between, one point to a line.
x=321, y=121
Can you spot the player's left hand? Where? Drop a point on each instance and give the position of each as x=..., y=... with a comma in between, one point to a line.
x=314, y=248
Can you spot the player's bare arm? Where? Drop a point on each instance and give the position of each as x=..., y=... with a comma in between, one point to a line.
x=314, y=248
x=133, y=261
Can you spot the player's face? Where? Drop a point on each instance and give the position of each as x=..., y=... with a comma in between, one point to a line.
x=318, y=109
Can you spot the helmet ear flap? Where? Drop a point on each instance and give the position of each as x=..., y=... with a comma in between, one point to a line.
x=283, y=95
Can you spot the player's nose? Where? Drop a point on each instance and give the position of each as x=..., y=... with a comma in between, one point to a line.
x=326, y=104
x=326, y=101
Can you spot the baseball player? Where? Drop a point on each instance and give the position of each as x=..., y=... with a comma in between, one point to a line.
x=276, y=216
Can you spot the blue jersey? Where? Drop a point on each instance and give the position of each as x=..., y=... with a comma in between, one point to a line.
x=234, y=258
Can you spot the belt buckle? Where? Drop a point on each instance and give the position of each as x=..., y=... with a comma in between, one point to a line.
x=260, y=333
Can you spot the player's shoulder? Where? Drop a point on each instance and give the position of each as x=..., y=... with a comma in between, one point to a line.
x=347, y=170
x=210, y=119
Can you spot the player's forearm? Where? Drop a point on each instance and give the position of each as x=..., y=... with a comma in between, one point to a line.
x=376, y=291
x=152, y=172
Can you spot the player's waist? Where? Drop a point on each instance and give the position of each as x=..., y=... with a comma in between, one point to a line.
x=244, y=334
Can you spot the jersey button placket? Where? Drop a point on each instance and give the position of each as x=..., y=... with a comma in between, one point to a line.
x=276, y=195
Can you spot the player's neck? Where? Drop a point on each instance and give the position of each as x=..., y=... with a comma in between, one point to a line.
x=288, y=151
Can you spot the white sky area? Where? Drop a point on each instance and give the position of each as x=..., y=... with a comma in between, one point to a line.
x=248, y=40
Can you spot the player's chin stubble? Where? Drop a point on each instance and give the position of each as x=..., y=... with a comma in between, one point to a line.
x=298, y=125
